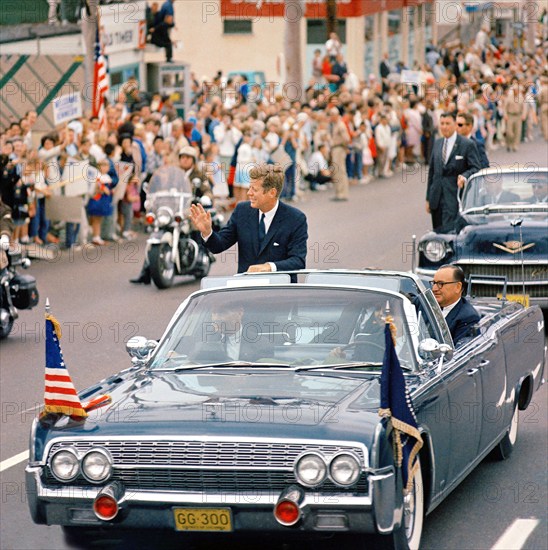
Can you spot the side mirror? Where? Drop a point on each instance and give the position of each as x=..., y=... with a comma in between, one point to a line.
x=430, y=350
x=140, y=347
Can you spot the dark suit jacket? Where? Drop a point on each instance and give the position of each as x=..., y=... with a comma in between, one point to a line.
x=460, y=320
x=284, y=244
x=442, y=178
x=214, y=348
x=484, y=161
x=506, y=197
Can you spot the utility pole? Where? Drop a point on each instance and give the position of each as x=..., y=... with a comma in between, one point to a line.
x=293, y=14
x=331, y=16
x=530, y=13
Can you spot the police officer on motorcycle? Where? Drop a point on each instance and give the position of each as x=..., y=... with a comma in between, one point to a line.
x=188, y=157
x=6, y=231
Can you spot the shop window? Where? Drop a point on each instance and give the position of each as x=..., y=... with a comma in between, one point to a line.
x=394, y=22
x=369, y=28
x=410, y=15
x=237, y=26
x=316, y=31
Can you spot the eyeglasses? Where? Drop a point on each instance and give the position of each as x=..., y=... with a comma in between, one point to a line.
x=441, y=284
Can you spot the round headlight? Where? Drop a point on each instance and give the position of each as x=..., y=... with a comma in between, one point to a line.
x=310, y=470
x=64, y=465
x=164, y=216
x=185, y=226
x=344, y=470
x=96, y=465
x=435, y=251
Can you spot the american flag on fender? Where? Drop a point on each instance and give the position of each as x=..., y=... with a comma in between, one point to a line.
x=100, y=80
x=397, y=406
x=60, y=395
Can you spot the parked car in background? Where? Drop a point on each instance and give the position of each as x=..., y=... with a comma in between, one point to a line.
x=503, y=237
x=257, y=413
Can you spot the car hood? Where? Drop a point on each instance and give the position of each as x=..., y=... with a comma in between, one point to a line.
x=496, y=236
x=229, y=403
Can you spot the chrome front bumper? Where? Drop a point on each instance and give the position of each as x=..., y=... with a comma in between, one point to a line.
x=375, y=512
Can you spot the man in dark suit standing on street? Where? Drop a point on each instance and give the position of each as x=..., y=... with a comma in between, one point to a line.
x=460, y=315
x=465, y=128
x=454, y=159
x=271, y=235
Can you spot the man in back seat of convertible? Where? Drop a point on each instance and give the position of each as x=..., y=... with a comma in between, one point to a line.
x=460, y=315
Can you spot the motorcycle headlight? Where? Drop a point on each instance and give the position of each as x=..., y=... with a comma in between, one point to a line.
x=164, y=216
x=185, y=226
x=310, y=470
x=97, y=465
x=344, y=469
x=205, y=201
x=434, y=250
x=64, y=465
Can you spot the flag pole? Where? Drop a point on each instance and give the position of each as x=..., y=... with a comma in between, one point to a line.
x=47, y=307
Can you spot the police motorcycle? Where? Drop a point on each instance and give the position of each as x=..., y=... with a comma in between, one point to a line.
x=173, y=247
x=17, y=291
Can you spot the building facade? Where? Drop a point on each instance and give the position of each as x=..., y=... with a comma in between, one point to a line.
x=248, y=35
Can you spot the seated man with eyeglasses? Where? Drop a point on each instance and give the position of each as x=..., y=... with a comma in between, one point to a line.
x=460, y=315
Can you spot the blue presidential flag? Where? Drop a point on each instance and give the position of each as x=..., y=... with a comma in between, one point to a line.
x=397, y=406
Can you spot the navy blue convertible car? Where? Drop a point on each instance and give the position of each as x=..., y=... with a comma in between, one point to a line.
x=257, y=412
x=502, y=240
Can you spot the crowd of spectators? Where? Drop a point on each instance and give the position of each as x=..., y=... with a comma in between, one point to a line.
x=340, y=133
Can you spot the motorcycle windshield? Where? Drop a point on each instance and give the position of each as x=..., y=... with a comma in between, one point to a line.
x=169, y=179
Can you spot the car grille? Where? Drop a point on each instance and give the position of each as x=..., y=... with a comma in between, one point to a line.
x=227, y=466
x=490, y=290
x=533, y=273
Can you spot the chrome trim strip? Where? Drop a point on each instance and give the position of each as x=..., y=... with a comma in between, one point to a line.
x=510, y=283
x=73, y=494
x=499, y=261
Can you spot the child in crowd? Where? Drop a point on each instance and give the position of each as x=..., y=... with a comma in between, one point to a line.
x=100, y=203
x=130, y=203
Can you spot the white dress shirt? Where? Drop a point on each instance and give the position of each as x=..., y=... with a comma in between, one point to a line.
x=450, y=144
x=447, y=309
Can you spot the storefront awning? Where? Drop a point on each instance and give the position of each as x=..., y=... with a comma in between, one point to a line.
x=313, y=9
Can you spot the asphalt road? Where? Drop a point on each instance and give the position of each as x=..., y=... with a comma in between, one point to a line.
x=500, y=505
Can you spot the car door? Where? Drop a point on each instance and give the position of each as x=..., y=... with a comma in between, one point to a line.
x=492, y=367
x=461, y=418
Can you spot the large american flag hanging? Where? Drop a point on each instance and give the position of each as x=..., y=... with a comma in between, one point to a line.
x=100, y=79
x=60, y=395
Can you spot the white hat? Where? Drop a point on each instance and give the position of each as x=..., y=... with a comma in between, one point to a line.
x=189, y=152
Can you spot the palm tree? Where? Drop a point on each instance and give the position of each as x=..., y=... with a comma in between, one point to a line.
x=331, y=16
x=294, y=11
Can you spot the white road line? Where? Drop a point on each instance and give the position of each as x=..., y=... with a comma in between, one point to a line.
x=9, y=462
x=515, y=536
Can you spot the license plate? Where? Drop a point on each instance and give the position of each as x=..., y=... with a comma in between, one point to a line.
x=202, y=519
x=522, y=299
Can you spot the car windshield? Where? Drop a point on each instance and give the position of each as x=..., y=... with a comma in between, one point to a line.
x=284, y=327
x=500, y=190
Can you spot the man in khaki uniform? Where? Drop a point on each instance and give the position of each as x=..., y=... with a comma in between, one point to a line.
x=543, y=98
x=514, y=115
x=340, y=139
